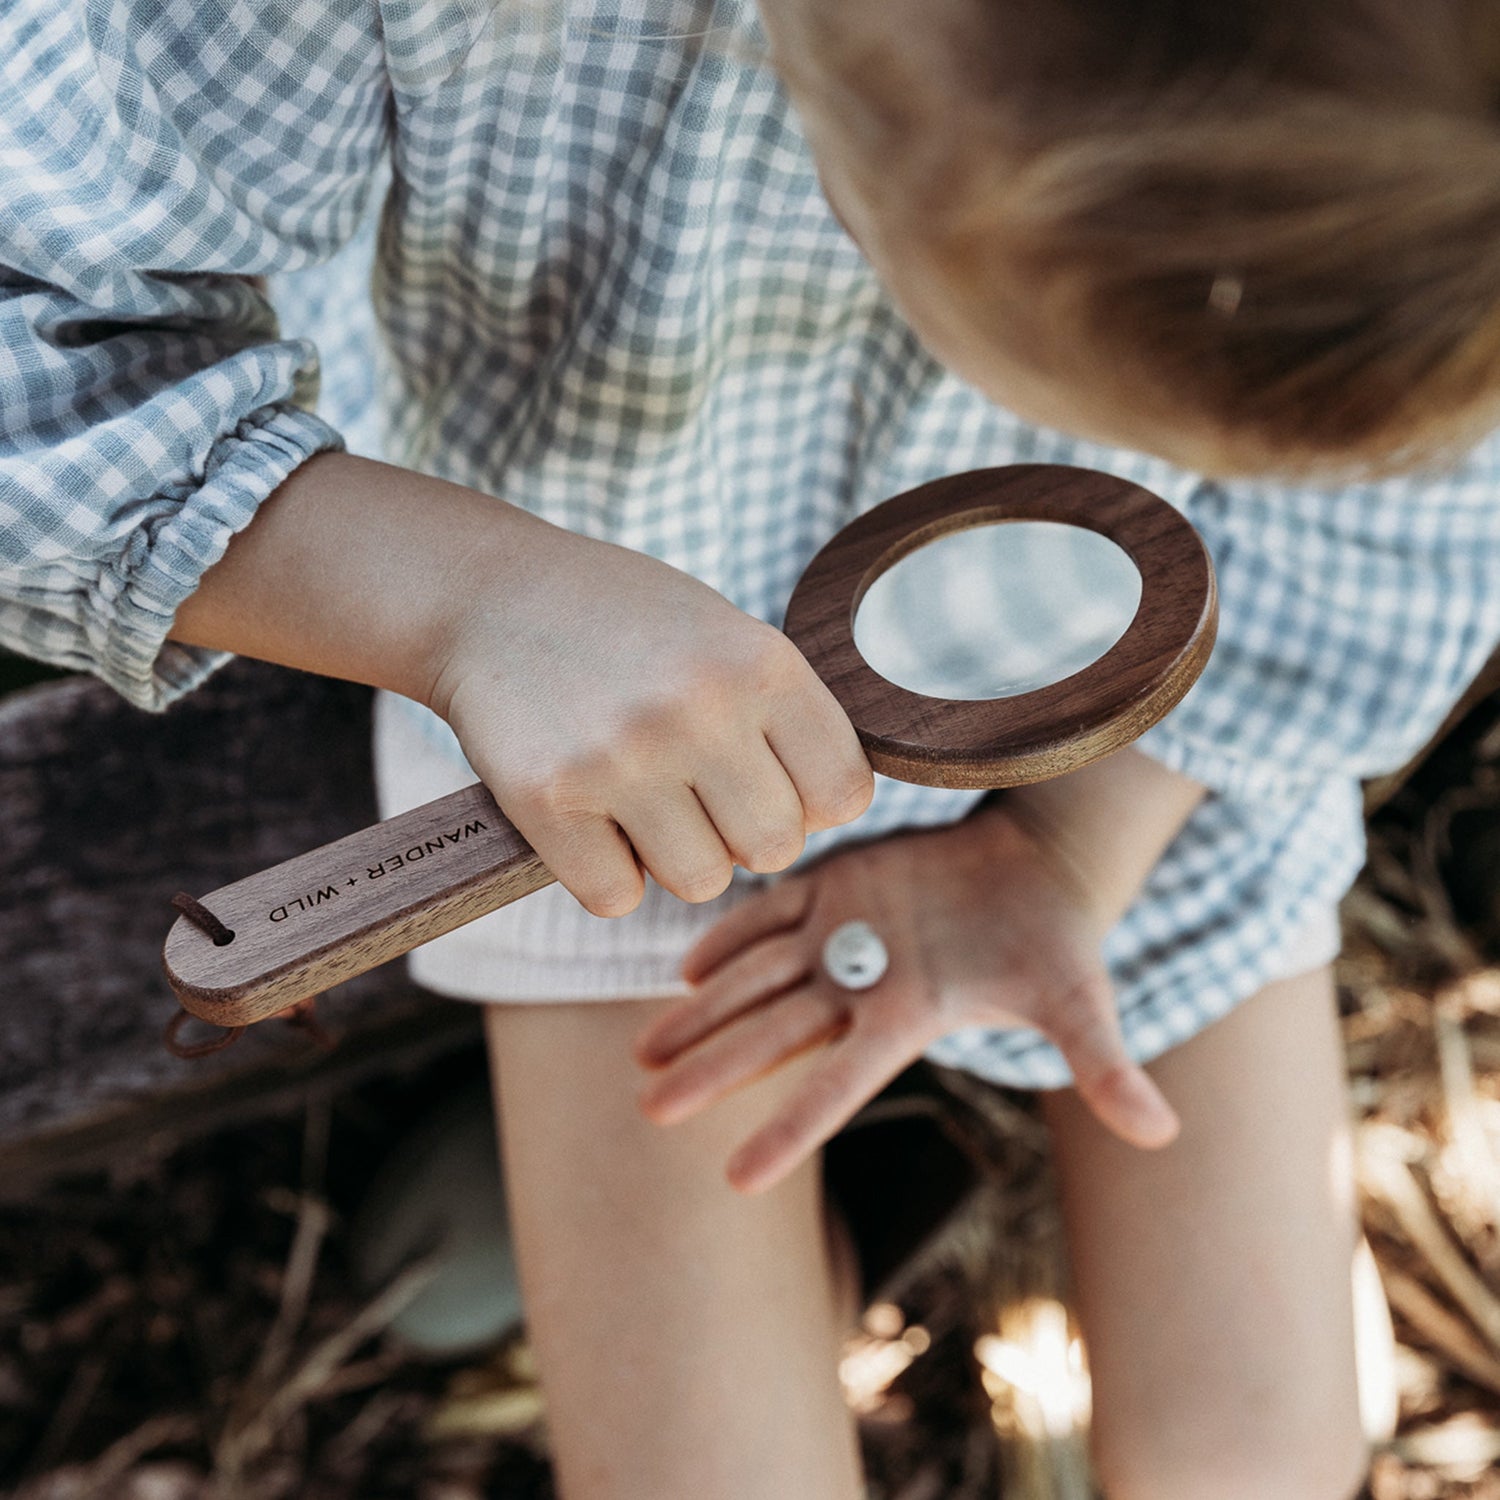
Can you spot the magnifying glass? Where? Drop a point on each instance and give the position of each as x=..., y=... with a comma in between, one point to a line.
x=947, y=709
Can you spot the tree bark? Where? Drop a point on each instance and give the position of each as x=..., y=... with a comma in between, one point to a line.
x=106, y=812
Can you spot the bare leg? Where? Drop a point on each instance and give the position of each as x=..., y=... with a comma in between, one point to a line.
x=1214, y=1278
x=687, y=1336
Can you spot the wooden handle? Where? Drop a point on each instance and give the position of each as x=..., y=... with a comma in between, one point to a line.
x=330, y=914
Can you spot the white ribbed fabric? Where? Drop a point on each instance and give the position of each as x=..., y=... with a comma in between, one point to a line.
x=548, y=947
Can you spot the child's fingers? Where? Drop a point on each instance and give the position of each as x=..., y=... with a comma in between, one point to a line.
x=677, y=844
x=1122, y=1095
x=822, y=755
x=855, y=1070
x=754, y=974
x=1128, y=1102
x=740, y=1054
x=589, y=855
x=779, y=906
x=764, y=831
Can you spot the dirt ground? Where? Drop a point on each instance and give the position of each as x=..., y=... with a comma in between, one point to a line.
x=187, y=1327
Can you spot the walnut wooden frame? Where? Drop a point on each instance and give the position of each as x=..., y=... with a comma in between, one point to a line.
x=1029, y=736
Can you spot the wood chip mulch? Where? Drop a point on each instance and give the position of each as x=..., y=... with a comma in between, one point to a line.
x=185, y=1326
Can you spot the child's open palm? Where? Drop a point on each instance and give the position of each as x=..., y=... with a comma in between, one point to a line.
x=985, y=926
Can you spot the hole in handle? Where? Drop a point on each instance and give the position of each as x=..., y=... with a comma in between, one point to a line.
x=200, y=916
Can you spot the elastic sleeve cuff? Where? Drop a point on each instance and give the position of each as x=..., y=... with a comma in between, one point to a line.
x=136, y=599
x=1220, y=769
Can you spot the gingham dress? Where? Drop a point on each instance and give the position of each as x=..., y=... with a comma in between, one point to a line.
x=608, y=289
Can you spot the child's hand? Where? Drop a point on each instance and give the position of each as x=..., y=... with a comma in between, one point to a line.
x=985, y=926
x=623, y=714
x=628, y=718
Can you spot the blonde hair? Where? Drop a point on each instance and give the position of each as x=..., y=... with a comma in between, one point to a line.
x=1282, y=230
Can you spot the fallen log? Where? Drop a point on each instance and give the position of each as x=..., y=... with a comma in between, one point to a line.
x=105, y=813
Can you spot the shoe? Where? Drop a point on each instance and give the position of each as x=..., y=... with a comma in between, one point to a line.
x=440, y=1193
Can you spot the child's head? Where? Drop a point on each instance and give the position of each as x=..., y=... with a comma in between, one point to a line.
x=1253, y=236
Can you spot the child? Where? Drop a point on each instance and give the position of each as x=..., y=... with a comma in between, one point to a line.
x=612, y=294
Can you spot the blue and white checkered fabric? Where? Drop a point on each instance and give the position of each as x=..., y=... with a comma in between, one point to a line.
x=607, y=288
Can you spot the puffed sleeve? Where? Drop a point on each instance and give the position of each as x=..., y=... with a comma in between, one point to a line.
x=1351, y=620
x=156, y=161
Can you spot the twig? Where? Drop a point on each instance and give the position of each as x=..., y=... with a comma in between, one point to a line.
x=1476, y=993
x=1465, y=1447
x=1008, y=1121
x=257, y=1431
x=1478, y=1168
x=100, y=1480
x=314, y=1218
x=380, y=1412
x=1390, y=1180
x=1440, y=1328
x=80, y=1392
